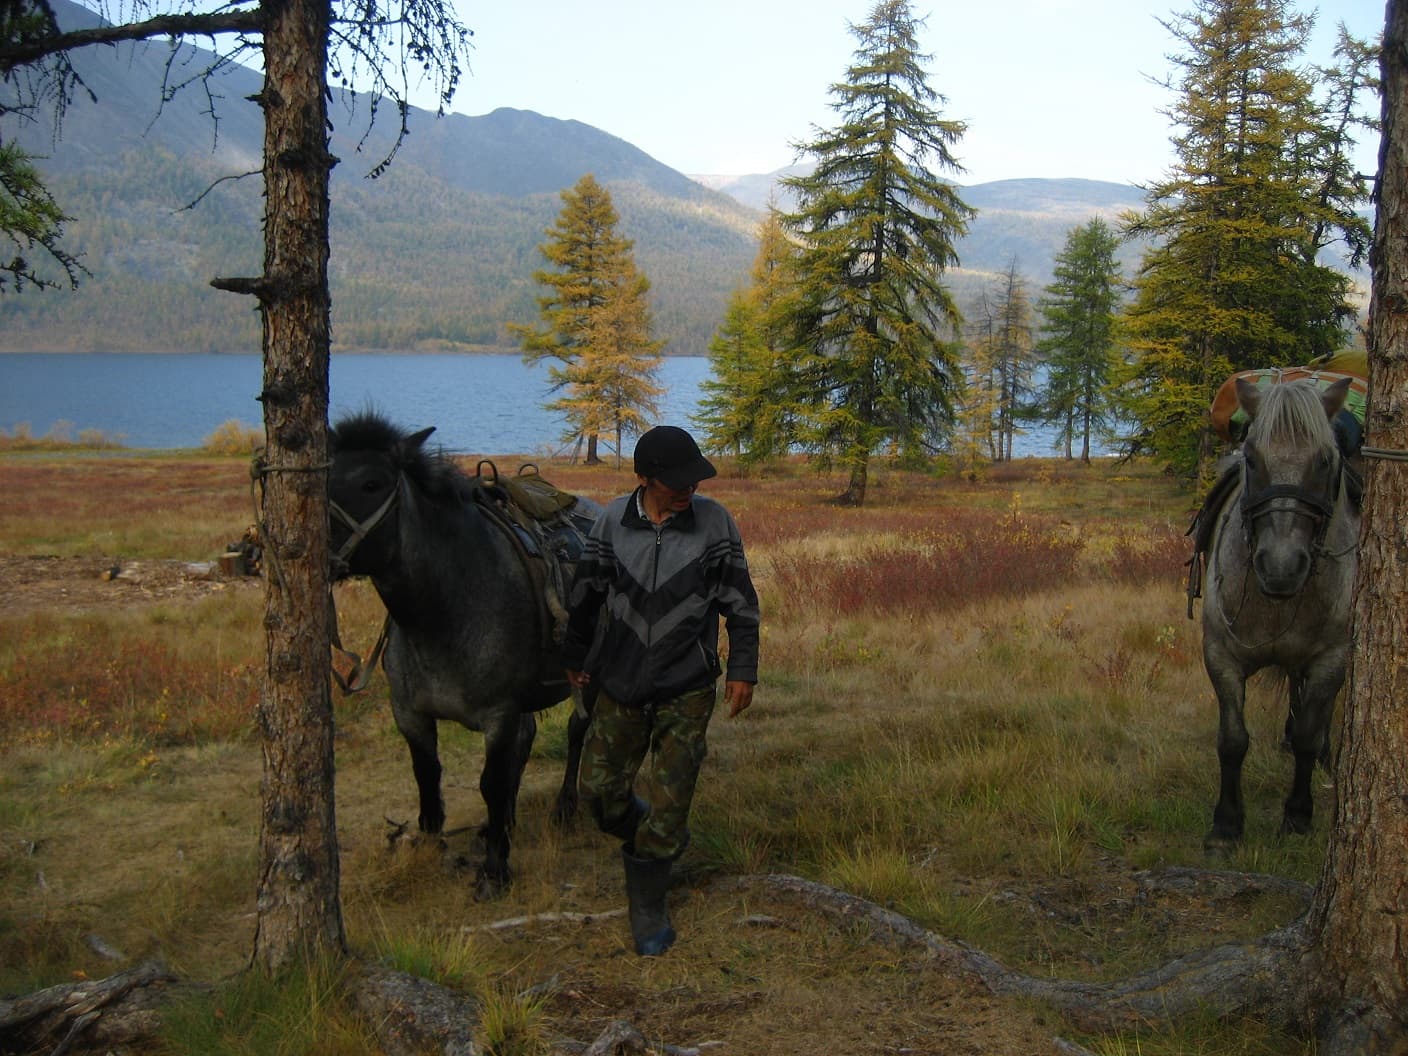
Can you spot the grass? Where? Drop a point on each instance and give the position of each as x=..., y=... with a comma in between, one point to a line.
x=981, y=706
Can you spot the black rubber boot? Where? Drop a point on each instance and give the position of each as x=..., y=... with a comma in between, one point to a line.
x=647, y=884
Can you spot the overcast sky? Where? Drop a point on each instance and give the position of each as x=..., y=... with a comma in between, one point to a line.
x=1049, y=88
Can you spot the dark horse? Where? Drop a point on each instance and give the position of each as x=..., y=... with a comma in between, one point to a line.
x=1281, y=565
x=466, y=638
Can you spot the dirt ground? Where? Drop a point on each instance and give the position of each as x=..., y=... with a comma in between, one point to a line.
x=72, y=584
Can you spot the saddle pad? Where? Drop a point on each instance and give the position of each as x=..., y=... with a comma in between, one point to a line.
x=1229, y=421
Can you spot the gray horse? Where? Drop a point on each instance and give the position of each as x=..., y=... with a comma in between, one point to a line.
x=469, y=638
x=1280, y=569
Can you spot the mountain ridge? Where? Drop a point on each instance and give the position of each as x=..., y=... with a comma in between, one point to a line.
x=439, y=250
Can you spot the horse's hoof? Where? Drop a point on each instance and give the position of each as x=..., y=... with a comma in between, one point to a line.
x=1220, y=845
x=1295, y=826
x=564, y=815
x=489, y=888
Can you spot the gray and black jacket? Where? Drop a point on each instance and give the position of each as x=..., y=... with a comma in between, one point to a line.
x=663, y=590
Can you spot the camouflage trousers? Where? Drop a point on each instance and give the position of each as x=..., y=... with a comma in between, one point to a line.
x=672, y=733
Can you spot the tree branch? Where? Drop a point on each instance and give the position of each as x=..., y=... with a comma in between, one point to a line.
x=208, y=25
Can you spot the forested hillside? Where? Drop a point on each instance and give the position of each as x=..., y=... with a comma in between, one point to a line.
x=437, y=252
x=440, y=250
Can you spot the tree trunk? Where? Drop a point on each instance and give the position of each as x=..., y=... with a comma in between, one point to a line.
x=593, y=458
x=1359, y=921
x=298, y=908
x=854, y=495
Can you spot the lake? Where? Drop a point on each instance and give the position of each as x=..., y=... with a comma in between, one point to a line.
x=479, y=404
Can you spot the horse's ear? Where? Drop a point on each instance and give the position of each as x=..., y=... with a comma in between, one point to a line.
x=1333, y=397
x=415, y=440
x=1248, y=396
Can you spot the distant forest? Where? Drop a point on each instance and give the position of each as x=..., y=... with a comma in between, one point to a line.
x=416, y=264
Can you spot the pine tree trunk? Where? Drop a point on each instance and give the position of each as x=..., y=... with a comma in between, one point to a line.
x=1359, y=921
x=298, y=908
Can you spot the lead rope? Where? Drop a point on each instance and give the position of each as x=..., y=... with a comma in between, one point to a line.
x=360, y=674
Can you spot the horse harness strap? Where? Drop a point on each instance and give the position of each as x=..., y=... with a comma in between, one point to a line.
x=360, y=674
x=1204, y=526
x=361, y=529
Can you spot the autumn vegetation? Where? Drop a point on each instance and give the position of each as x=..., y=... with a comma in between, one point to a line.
x=981, y=707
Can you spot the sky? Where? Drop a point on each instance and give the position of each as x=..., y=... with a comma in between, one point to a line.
x=1048, y=88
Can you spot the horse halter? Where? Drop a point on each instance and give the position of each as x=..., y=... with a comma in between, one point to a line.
x=361, y=529
x=1320, y=509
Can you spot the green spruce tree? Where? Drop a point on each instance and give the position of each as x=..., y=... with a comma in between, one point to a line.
x=596, y=323
x=875, y=328
x=1233, y=279
x=1078, y=344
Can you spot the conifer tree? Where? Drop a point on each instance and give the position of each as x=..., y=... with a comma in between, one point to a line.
x=745, y=410
x=1078, y=345
x=1233, y=280
x=597, y=323
x=876, y=329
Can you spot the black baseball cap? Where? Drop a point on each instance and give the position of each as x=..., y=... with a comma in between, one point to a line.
x=669, y=454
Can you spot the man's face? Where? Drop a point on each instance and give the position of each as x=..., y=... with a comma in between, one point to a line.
x=664, y=497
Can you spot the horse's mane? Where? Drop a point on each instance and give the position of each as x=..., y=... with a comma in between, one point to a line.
x=1291, y=414
x=432, y=470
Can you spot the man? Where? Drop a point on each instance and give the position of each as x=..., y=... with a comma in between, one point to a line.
x=660, y=567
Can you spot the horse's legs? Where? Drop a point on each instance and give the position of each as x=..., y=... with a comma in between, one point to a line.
x=577, y=725
x=1228, y=817
x=506, y=748
x=422, y=738
x=1314, y=696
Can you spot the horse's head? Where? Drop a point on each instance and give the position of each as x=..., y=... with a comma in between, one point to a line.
x=1291, y=477
x=371, y=459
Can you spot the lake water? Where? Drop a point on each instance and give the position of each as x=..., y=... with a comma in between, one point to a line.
x=479, y=404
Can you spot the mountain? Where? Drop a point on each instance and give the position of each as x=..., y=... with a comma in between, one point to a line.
x=439, y=251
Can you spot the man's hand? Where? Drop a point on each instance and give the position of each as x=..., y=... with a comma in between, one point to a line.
x=737, y=695
x=578, y=679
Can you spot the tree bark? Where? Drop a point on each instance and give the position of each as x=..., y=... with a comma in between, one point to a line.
x=1359, y=920
x=298, y=908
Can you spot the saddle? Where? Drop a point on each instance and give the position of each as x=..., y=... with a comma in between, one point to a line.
x=548, y=528
x=1205, y=521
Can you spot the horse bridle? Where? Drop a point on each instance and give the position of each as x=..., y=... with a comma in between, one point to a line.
x=1320, y=509
x=360, y=675
x=364, y=528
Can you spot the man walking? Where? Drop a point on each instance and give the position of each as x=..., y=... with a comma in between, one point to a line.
x=660, y=568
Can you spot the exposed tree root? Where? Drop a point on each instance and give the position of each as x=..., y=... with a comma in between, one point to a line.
x=1253, y=978
x=1261, y=978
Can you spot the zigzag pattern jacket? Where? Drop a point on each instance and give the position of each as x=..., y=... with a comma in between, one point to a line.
x=646, y=601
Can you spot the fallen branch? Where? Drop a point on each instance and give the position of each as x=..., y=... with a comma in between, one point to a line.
x=118, y=1009
x=545, y=918
x=621, y=1038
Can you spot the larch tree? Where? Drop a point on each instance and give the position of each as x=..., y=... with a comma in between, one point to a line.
x=298, y=901
x=610, y=387
x=1079, y=347
x=1233, y=278
x=744, y=411
x=595, y=322
x=876, y=329
x=1010, y=357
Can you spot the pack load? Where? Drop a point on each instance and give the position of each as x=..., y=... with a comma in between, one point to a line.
x=1229, y=421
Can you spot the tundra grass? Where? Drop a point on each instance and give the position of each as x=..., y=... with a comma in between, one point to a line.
x=996, y=754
